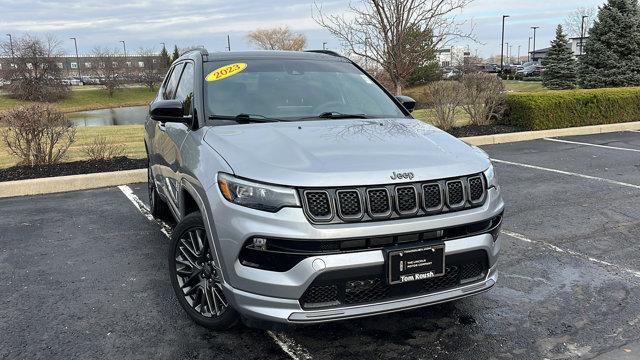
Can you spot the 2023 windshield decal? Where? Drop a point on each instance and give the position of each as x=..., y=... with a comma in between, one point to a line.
x=226, y=71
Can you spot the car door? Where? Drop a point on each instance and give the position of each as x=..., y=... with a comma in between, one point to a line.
x=163, y=142
x=175, y=133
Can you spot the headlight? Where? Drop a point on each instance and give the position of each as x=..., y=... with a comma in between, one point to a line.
x=255, y=195
x=490, y=175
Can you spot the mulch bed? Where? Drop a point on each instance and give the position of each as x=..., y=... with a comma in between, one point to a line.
x=71, y=168
x=477, y=130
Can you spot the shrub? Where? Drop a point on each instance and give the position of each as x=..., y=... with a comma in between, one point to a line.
x=444, y=97
x=484, y=98
x=101, y=149
x=560, y=109
x=37, y=134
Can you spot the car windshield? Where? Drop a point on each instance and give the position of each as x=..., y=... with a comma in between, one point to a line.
x=293, y=89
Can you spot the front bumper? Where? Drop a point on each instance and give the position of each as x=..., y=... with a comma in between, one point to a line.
x=274, y=296
x=289, y=311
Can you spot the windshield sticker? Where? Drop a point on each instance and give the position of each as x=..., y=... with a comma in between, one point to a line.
x=226, y=71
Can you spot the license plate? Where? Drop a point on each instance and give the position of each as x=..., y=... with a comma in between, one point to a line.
x=415, y=264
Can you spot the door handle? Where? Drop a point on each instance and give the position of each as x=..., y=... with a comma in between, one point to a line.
x=162, y=126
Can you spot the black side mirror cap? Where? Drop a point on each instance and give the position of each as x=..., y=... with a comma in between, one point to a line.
x=407, y=102
x=168, y=111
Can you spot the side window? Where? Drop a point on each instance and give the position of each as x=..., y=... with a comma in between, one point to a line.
x=185, y=88
x=170, y=89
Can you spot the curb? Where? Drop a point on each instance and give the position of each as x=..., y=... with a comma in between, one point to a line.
x=533, y=135
x=71, y=183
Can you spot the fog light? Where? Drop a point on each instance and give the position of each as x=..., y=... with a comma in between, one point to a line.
x=259, y=243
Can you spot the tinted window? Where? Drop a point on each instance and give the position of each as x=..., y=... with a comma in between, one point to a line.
x=170, y=89
x=185, y=88
x=293, y=89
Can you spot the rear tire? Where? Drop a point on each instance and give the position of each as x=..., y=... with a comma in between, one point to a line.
x=196, y=277
x=158, y=207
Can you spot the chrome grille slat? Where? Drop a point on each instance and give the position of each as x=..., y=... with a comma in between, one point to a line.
x=392, y=201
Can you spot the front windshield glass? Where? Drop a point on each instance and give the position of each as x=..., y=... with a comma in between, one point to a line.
x=293, y=89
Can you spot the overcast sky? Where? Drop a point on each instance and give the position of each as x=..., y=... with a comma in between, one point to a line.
x=196, y=22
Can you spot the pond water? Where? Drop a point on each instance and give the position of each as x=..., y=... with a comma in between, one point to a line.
x=116, y=116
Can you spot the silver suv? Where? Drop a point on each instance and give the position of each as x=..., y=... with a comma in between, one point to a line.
x=304, y=192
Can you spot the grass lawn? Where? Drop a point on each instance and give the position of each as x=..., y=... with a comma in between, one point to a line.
x=92, y=99
x=426, y=115
x=129, y=136
x=524, y=86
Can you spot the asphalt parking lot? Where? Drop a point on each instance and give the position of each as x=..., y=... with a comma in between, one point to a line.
x=83, y=275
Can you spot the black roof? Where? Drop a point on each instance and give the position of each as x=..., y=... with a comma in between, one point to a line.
x=271, y=54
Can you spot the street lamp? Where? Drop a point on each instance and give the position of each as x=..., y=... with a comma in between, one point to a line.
x=163, y=45
x=582, y=33
x=518, y=59
x=11, y=45
x=502, y=45
x=507, y=46
x=75, y=43
x=324, y=46
x=529, y=50
x=124, y=47
x=534, y=40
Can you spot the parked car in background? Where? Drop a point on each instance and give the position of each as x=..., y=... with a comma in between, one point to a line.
x=73, y=81
x=530, y=71
x=449, y=73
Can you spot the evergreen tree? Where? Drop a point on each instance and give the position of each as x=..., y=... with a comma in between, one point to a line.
x=560, y=66
x=612, y=51
x=176, y=53
x=165, y=60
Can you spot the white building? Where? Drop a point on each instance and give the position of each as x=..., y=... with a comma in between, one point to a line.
x=451, y=57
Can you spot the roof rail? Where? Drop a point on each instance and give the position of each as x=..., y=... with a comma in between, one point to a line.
x=201, y=50
x=326, y=52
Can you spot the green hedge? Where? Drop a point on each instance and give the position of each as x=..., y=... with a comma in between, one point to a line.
x=570, y=108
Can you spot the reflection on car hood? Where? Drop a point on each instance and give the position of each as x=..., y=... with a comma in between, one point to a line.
x=343, y=152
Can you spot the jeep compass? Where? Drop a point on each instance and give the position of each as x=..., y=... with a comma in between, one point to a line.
x=305, y=192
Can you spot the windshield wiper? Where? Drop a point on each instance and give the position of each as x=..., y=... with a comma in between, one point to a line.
x=244, y=118
x=337, y=115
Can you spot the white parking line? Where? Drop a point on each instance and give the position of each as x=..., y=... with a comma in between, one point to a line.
x=590, y=144
x=571, y=252
x=609, y=181
x=287, y=344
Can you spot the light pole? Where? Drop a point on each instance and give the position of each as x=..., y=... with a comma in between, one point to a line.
x=324, y=46
x=163, y=45
x=534, y=40
x=502, y=45
x=518, y=60
x=75, y=43
x=510, y=57
x=582, y=33
x=529, y=50
x=11, y=45
x=507, y=46
x=228, y=43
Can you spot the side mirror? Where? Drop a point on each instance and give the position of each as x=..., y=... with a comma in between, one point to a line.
x=168, y=111
x=407, y=102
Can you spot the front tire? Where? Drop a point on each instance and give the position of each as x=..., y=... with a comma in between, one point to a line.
x=196, y=277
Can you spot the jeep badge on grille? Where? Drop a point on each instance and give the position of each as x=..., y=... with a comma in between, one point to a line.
x=399, y=176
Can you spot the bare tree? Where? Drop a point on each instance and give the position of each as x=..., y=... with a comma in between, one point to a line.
x=573, y=22
x=394, y=33
x=36, y=134
x=485, y=97
x=444, y=97
x=278, y=38
x=34, y=72
x=152, y=73
x=109, y=68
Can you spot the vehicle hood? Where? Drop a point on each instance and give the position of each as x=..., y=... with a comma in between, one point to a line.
x=343, y=152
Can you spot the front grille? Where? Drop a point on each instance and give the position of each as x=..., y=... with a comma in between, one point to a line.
x=432, y=196
x=318, y=204
x=341, y=288
x=379, y=203
x=476, y=189
x=455, y=193
x=349, y=205
x=335, y=205
x=407, y=199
